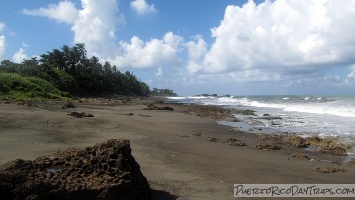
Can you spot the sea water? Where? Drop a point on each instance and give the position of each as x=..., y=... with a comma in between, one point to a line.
x=304, y=115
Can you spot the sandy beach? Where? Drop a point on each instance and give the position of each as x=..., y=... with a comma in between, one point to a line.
x=174, y=150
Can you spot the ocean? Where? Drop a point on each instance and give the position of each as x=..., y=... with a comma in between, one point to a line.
x=304, y=115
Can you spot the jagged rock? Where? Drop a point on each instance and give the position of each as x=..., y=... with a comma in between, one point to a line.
x=351, y=162
x=300, y=156
x=235, y=142
x=264, y=136
x=68, y=104
x=80, y=114
x=212, y=139
x=269, y=147
x=104, y=171
x=197, y=134
x=336, y=150
x=296, y=141
x=329, y=170
x=155, y=107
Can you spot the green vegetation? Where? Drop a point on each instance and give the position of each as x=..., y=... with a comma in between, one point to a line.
x=68, y=72
x=163, y=92
x=19, y=87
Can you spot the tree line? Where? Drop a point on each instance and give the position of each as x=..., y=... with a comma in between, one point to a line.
x=70, y=70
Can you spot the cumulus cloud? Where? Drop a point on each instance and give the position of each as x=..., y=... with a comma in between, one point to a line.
x=142, y=7
x=281, y=38
x=65, y=11
x=2, y=26
x=155, y=53
x=19, y=56
x=2, y=46
x=2, y=40
x=96, y=27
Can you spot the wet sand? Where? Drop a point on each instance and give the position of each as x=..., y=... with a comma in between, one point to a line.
x=174, y=149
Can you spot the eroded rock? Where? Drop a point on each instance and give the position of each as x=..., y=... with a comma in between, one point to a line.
x=300, y=156
x=104, y=171
x=269, y=147
x=329, y=170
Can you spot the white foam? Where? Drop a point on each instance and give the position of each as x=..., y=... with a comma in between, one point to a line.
x=177, y=98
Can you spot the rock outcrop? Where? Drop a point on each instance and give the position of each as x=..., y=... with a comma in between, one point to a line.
x=104, y=171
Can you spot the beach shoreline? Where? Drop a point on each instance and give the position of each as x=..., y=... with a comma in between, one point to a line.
x=182, y=155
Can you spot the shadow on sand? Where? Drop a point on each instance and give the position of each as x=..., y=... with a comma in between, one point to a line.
x=163, y=195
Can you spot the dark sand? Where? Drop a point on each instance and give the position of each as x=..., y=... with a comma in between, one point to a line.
x=177, y=164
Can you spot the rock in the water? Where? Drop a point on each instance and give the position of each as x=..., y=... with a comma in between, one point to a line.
x=104, y=171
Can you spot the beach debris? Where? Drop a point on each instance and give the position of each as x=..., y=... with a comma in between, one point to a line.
x=105, y=171
x=68, y=104
x=212, y=139
x=197, y=134
x=129, y=114
x=329, y=170
x=235, y=142
x=145, y=115
x=300, y=156
x=184, y=136
x=269, y=147
x=351, y=162
x=80, y=114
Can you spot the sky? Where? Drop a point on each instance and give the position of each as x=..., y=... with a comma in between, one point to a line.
x=236, y=47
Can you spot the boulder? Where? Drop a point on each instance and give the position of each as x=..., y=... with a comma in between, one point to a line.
x=269, y=147
x=68, y=104
x=335, y=150
x=296, y=141
x=104, y=171
x=300, y=156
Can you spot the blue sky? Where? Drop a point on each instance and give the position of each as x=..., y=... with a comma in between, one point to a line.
x=235, y=47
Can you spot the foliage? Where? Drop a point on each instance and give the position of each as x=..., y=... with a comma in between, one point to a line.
x=163, y=92
x=19, y=87
x=69, y=70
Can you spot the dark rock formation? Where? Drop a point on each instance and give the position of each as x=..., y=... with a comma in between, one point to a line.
x=300, y=156
x=329, y=170
x=80, y=114
x=351, y=162
x=158, y=107
x=296, y=141
x=104, y=171
x=68, y=104
x=269, y=147
x=235, y=142
x=335, y=150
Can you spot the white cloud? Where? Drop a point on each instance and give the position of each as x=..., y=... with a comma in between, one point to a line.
x=278, y=38
x=142, y=7
x=96, y=26
x=153, y=54
x=65, y=11
x=2, y=41
x=2, y=26
x=2, y=46
x=19, y=56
